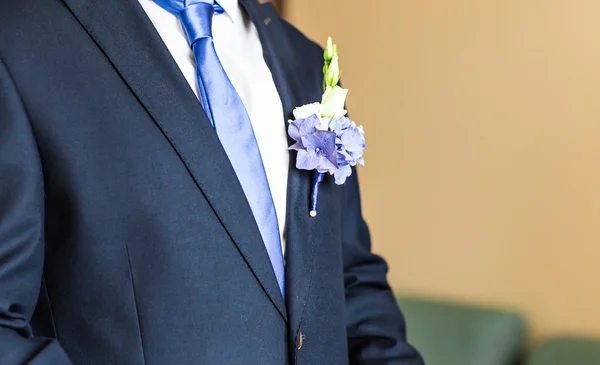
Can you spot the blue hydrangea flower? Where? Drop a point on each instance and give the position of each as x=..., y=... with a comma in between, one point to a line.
x=350, y=145
x=316, y=148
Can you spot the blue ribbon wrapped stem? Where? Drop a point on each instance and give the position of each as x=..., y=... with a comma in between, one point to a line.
x=314, y=196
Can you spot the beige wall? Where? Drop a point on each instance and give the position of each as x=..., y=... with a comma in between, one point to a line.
x=483, y=128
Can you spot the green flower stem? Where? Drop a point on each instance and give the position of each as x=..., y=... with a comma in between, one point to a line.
x=331, y=69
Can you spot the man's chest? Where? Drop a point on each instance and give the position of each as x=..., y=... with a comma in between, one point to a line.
x=241, y=54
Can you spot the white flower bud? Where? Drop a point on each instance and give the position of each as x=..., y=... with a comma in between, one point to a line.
x=329, y=51
x=332, y=76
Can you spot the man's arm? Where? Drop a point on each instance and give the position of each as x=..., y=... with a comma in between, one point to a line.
x=21, y=235
x=376, y=328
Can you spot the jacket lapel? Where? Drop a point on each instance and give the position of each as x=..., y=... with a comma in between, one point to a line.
x=131, y=43
x=294, y=90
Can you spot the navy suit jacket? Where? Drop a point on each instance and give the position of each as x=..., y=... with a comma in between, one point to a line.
x=125, y=237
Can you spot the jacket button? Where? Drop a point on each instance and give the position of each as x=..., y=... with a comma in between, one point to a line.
x=301, y=339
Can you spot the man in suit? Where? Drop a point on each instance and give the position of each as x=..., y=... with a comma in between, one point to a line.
x=148, y=197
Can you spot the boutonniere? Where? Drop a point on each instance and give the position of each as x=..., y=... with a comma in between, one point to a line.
x=326, y=140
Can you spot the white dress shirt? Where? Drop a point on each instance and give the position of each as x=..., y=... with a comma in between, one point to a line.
x=240, y=51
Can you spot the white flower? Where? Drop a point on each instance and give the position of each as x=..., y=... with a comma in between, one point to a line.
x=332, y=104
x=307, y=110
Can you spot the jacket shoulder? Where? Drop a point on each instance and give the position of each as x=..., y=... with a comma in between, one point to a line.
x=300, y=41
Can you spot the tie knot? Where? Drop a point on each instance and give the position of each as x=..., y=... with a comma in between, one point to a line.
x=196, y=19
x=195, y=15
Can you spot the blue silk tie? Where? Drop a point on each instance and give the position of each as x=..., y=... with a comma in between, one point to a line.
x=228, y=115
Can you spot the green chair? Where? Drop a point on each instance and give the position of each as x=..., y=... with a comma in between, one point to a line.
x=567, y=351
x=455, y=334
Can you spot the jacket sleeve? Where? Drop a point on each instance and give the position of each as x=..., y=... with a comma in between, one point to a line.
x=21, y=235
x=375, y=326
